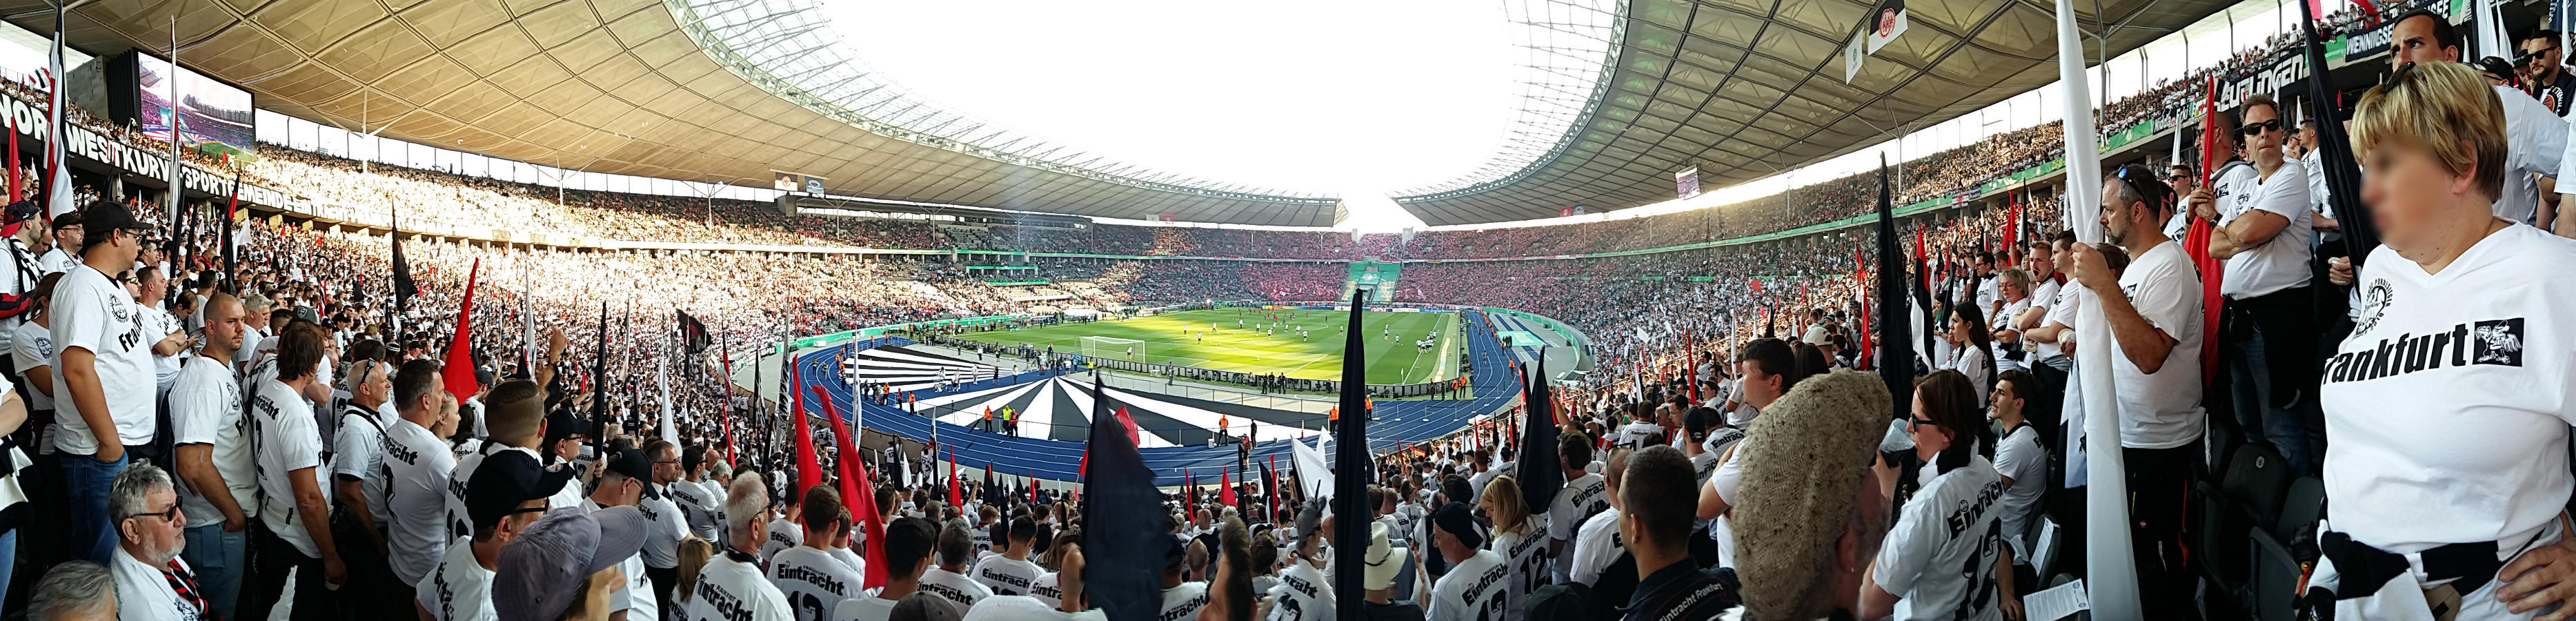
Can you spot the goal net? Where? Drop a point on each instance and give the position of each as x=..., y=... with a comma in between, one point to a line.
x=1113, y=348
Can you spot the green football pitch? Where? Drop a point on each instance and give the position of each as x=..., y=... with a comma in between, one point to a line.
x=1234, y=339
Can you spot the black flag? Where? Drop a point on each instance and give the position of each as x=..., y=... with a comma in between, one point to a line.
x=1125, y=578
x=1896, y=362
x=693, y=333
x=404, y=288
x=1352, y=474
x=1540, y=474
x=2342, y=168
x=598, y=378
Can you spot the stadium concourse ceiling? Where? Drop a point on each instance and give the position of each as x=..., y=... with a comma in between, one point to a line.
x=700, y=90
x=1744, y=89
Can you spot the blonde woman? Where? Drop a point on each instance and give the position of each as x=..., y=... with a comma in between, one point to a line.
x=2447, y=409
x=1518, y=538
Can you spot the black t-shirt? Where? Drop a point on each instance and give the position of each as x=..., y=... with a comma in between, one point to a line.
x=1683, y=591
x=2557, y=93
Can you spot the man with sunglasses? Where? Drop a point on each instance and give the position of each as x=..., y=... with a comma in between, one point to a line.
x=2547, y=80
x=152, y=583
x=2154, y=310
x=2264, y=236
x=2536, y=139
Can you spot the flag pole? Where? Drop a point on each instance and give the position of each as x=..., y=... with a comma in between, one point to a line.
x=2112, y=573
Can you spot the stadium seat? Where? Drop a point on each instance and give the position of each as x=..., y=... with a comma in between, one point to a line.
x=2282, y=549
x=2246, y=497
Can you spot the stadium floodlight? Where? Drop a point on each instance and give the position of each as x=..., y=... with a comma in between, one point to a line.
x=1117, y=348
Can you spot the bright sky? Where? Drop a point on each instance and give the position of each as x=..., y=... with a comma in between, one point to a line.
x=1326, y=96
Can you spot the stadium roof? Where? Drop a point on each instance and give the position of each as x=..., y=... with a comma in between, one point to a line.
x=1744, y=89
x=731, y=90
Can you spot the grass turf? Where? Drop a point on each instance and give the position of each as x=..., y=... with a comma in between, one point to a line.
x=1184, y=338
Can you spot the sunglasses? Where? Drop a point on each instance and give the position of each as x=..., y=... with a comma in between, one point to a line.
x=2257, y=129
x=170, y=515
x=2525, y=60
x=2144, y=183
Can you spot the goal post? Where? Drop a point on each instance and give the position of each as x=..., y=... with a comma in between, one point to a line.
x=1113, y=348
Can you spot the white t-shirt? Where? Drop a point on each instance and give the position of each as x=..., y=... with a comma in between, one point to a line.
x=1471, y=591
x=783, y=534
x=1006, y=576
x=2535, y=144
x=358, y=453
x=2281, y=262
x=90, y=312
x=1303, y=594
x=143, y=592
x=695, y=501
x=1182, y=601
x=2448, y=407
x=1596, y=548
x=157, y=324
x=1578, y=502
x=56, y=260
x=283, y=426
x=460, y=589
x=1525, y=555
x=1971, y=362
x=813, y=582
x=663, y=530
x=32, y=346
x=2162, y=410
x=206, y=408
x=2019, y=456
x=1049, y=588
x=955, y=587
x=1940, y=557
x=2061, y=310
x=730, y=590
x=417, y=465
x=1638, y=434
x=1023, y=608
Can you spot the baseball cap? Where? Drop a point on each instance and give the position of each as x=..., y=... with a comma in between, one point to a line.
x=561, y=424
x=1458, y=520
x=542, y=571
x=68, y=218
x=923, y=605
x=506, y=479
x=110, y=215
x=16, y=215
x=633, y=464
x=1384, y=560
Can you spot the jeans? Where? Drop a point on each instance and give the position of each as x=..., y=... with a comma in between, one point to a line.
x=85, y=480
x=217, y=556
x=2283, y=427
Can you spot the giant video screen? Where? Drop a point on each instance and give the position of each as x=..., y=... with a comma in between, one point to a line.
x=213, y=116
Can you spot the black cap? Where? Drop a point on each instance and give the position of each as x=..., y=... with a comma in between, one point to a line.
x=2496, y=68
x=68, y=218
x=561, y=424
x=633, y=464
x=504, y=480
x=20, y=211
x=1459, y=521
x=110, y=215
